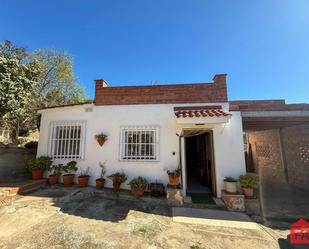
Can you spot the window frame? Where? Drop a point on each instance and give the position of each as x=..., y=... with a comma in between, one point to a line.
x=52, y=139
x=139, y=128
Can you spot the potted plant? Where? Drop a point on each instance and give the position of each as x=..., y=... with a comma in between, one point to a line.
x=101, y=138
x=101, y=181
x=68, y=178
x=230, y=185
x=248, y=182
x=138, y=186
x=55, y=171
x=118, y=179
x=173, y=176
x=37, y=166
x=83, y=178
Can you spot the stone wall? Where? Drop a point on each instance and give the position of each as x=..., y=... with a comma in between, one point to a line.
x=13, y=161
x=281, y=156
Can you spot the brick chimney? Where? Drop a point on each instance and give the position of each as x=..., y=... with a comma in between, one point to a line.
x=220, y=82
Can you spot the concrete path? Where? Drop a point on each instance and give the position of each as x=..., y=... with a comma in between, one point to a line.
x=213, y=218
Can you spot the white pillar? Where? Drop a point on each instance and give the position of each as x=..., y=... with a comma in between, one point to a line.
x=183, y=166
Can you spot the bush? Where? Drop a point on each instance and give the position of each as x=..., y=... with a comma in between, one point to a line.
x=249, y=180
x=138, y=182
x=31, y=145
x=43, y=163
x=70, y=167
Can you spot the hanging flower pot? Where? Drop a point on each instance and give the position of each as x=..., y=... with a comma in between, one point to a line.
x=101, y=138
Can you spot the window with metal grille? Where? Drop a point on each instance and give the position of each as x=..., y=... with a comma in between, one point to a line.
x=139, y=143
x=66, y=139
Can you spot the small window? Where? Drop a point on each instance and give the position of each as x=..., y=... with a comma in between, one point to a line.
x=139, y=143
x=66, y=139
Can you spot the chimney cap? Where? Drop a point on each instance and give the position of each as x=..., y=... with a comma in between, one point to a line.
x=101, y=82
x=219, y=75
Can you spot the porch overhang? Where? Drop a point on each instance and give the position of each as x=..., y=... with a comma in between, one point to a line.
x=201, y=115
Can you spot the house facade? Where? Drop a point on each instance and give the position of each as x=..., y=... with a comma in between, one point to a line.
x=150, y=129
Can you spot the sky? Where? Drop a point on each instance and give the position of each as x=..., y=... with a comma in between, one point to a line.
x=262, y=45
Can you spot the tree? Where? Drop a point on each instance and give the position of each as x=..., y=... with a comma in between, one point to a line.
x=29, y=82
x=57, y=83
x=17, y=86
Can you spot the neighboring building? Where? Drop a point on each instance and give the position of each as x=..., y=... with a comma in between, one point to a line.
x=151, y=129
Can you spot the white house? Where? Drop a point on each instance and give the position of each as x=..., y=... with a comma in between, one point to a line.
x=151, y=129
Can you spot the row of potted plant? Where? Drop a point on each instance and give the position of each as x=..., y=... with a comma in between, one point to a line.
x=248, y=182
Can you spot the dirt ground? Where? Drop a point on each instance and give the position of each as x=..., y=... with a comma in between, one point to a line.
x=58, y=218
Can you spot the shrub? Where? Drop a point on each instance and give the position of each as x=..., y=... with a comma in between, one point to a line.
x=249, y=180
x=70, y=167
x=43, y=163
x=138, y=182
x=56, y=169
x=118, y=178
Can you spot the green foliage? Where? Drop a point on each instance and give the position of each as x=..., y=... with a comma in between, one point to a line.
x=43, y=163
x=138, y=182
x=174, y=173
x=230, y=179
x=249, y=180
x=70, y=167
x=17, y=87
x=101, y=135
x=29, y=82
x=32, y=164
x=57, y=82
x=56, y=169
x=103, y=169
x=195, y=247
x=84, y=172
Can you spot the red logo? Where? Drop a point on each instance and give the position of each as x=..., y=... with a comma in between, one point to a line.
x=299, y=232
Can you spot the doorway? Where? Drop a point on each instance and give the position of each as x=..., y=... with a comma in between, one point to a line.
x=200, y=168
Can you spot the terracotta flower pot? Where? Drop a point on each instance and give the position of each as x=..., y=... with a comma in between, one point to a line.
x=99, y=183
x=137, y=191
x=83, y=181
x=52, y=179
x=37, y=174
x=101, y=141
x=68, y=179
x=248, y=192
x=173, y=180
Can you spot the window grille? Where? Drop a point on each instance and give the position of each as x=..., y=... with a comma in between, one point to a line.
x=66, y=139
x=139, y=143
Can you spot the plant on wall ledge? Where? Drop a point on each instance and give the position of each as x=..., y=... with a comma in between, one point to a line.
x=101, y=138
x=173, y=176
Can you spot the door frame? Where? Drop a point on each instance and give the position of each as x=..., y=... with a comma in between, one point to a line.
x=184, y=165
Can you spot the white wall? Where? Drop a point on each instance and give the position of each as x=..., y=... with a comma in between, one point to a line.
x=228, y=150
x=228, y=142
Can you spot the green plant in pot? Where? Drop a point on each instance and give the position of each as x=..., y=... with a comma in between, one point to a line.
x=173, y=176
x=83, y=178
x=101, y=138
x=99, y=182
x=248, y=182
x=138, y=185
x=230, y=185
x=37, y=166
x=117, y=178
x=55, y=172
x=69, y=169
